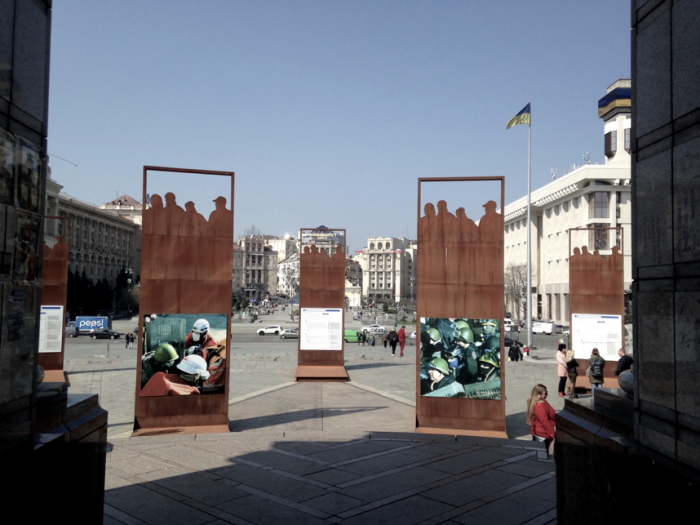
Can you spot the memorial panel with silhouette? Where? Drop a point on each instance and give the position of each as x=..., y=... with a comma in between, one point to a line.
x=322, y=286
x=596, y=286
x=460, y=281
x=186, y=273
x=54, y=293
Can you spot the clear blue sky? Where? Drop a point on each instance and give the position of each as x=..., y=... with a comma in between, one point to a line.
x=328, y=111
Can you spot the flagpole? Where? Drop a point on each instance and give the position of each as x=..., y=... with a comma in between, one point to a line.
x=529, y=238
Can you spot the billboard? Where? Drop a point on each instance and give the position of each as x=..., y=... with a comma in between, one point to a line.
x=460, y=358
x=183, y=354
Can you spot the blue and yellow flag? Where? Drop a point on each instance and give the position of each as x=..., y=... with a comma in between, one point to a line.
x=521, y=118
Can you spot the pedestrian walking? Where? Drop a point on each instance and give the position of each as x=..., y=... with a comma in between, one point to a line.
x=561, y=368
x=385, y=339
x=402, y=339
x=540, y=416
x=514, y=353
x=393, y=340
x=126, y=340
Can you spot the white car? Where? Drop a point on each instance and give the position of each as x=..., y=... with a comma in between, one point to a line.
x=272, y=329
x=374, y=328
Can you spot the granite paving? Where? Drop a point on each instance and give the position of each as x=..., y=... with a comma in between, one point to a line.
x=317, y=452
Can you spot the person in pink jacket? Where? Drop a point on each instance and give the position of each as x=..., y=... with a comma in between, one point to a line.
x=561, y=369
x=402, y=339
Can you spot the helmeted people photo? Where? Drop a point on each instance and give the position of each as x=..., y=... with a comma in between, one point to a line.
x=192, y=372
x=467, y=354
x=162, y=359
x=200, y=336
x=171, y=340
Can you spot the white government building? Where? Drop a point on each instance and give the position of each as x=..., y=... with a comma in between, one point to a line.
x=590, y=196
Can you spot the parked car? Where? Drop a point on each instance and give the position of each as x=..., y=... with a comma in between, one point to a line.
x=272, y=329
x=290, y=333
x=105, y=333
x=509, y=325
x=374, y=328
x=566, y=331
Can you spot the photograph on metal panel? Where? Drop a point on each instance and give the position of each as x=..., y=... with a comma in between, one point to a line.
x=7, y=168
x=460, y=358
x=29, y=172
x=183, y=354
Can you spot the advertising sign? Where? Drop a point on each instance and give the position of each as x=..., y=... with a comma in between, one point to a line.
x=183, y=354
x=85, y=324
x=589, y=331
x=460, y=358
x=321, y=329
x=50, y=329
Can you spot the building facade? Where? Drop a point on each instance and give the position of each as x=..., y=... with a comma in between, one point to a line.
x=388, y=269
x=101, y=243
x=257, y=270
x=284, y=246
x=125, y=207
x=288, y=276
x=590, y=196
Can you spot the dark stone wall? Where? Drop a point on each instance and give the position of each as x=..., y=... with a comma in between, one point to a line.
x=666, y=226
x=25, y=29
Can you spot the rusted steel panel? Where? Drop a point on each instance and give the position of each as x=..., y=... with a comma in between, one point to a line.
x=186, y=268
x=460, y=276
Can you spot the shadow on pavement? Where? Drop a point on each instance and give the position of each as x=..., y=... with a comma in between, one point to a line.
x=405, y=479
x=285, y=418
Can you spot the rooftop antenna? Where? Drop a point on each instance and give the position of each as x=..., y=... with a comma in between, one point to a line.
x=587, y=158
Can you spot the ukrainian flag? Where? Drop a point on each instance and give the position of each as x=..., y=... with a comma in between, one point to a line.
x=521, y=118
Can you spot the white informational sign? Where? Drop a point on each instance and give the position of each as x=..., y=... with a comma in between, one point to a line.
x=50, y=329
x=589, y=331
x=321, y=329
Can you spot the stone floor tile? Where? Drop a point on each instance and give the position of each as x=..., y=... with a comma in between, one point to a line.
x=337, y=455
x=386, y=462
x=463, y=491
x=153, y=508
x=333, y=476
x=136, y=465
x=380, y=488
x=513, y=509
x=468, y=461
x=256, y=509
x=284, y=462
x=406, y=512
x=195, y=486
x=333, y=503
x=529, y=470
x=305, y=448
x=271, y=483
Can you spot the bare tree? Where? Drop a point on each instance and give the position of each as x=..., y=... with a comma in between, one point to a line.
x=515, y=289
